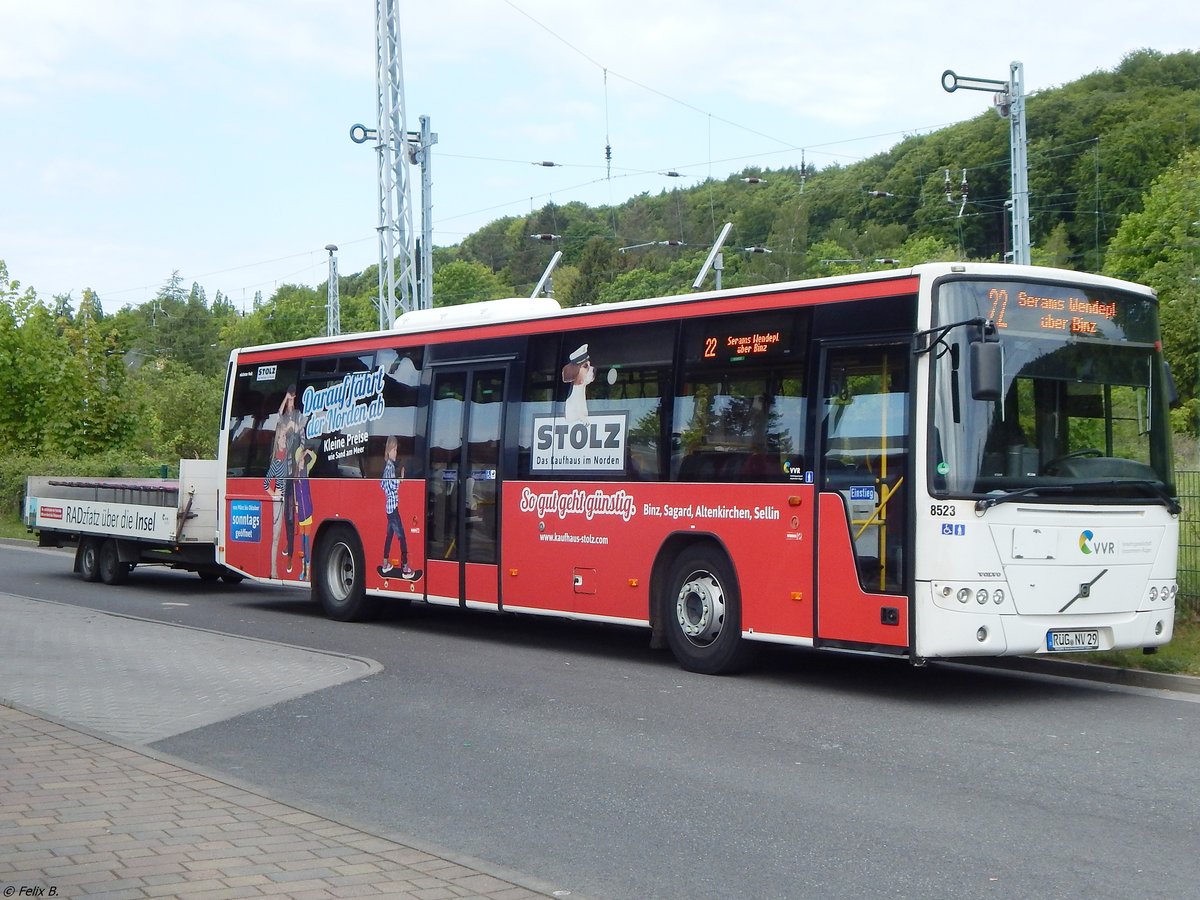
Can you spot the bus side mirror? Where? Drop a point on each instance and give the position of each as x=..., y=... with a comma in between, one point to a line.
x=987, y=370
x=1173, y=399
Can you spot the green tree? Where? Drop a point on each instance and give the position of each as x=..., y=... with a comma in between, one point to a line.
x=99, y=416
x=1160, y=246
x=294, y=312
x=14, y=304
x=464, y=281
x=597, y=267
x=180, y=411
x=1055, y=250
x=43, y=379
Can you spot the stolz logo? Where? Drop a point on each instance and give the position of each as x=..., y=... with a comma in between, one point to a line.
x=1089, y=545
x=595, y=445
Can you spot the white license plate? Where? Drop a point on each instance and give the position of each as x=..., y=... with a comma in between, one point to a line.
x=1060, y=641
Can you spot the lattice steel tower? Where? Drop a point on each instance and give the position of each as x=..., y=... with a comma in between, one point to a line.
x=398, y=282
x=396, y=147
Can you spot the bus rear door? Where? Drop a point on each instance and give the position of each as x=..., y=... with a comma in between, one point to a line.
x=463, y=482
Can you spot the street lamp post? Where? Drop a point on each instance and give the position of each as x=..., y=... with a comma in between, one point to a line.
x=333, y=312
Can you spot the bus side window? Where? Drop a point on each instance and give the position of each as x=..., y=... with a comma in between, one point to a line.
x=401, y=384
x=333, y=448
x=537, y=395
x=608, y=377
x=258, y=393
x=741, y=410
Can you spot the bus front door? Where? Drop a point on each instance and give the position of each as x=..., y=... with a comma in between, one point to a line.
x=863, y=491
x=462, y=485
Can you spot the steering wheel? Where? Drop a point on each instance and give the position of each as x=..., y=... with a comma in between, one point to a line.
x=1051, y=467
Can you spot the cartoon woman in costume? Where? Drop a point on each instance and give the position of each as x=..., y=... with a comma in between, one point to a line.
x=305, y=458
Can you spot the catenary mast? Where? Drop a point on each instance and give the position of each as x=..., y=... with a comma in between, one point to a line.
x=398, y=280
x=399, y=268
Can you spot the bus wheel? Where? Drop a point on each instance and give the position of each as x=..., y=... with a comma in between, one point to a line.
x=339, y=577
x=89, y=559
x=703, y=613
x=112, y=570
x=232, y=578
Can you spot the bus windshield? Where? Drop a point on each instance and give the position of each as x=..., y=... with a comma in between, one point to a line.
x=1082, y=415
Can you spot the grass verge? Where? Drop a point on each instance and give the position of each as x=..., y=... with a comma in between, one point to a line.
x=1180, y=657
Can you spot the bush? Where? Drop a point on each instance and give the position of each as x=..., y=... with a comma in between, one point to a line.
x=15, y=468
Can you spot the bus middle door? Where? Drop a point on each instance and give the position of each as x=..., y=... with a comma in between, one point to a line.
x=463, y=479
x=863, y=510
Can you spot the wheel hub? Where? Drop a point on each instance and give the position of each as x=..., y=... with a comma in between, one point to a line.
x=341, y=572
x=700, y=608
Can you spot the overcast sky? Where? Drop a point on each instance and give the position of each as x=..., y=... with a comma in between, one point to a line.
x=143, y=137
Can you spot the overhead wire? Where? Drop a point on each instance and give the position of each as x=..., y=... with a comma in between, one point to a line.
x=787, y=146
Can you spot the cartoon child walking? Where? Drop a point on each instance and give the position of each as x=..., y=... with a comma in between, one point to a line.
x=391, y=494
x=305, y=457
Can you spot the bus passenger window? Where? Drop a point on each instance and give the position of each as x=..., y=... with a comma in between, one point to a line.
x=865, y=456
x=537, y=401
x=258, y=394
x=401, y=381
x=593, y=403
x=740, y=413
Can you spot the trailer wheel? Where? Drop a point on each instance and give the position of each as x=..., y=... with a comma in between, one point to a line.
x=702, y=611
x=112, y=570
x=89, y=559
x=339, y=577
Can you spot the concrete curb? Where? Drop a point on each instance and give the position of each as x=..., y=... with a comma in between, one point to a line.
x=1084, y=671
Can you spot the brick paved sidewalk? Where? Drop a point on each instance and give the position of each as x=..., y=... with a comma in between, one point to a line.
x=83, y=816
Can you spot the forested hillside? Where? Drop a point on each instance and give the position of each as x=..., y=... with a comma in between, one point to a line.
x=1114, y=175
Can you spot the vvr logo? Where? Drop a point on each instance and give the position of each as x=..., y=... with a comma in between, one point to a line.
x=1089, y=545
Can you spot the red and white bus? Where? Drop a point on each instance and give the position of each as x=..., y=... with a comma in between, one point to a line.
x=943, y=461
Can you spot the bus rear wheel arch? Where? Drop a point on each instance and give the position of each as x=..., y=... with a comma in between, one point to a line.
x=700, y=609
x=339, y=576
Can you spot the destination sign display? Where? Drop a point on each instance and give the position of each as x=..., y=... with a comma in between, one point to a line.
x=1067, y=313
x=1037, y=311
x=753, y=343
x=757, y=337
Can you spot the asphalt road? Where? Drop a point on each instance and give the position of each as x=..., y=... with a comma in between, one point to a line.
x=574, y=753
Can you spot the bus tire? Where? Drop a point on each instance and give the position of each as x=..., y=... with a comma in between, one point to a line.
x=112, y=570
x=89, y=559
x=702, y=612
x=232, y=578
x=339, y=577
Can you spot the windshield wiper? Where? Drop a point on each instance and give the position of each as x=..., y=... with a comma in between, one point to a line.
x=1155, y=487
x=986, y=503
